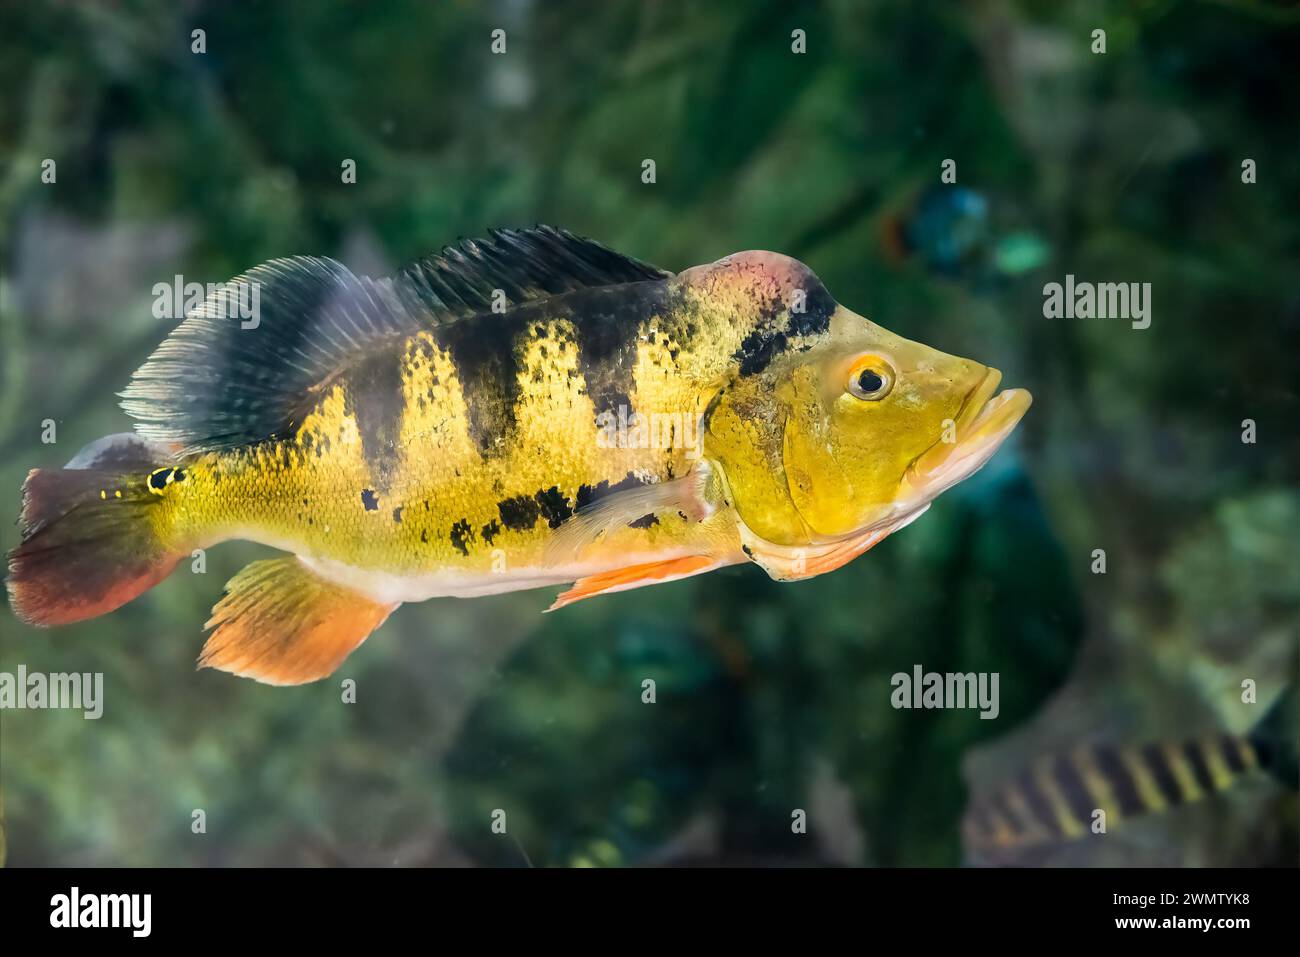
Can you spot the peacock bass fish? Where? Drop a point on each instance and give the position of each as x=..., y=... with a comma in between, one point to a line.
x=465, y=428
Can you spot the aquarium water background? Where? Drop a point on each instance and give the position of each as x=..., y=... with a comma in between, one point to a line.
x=1171, y=449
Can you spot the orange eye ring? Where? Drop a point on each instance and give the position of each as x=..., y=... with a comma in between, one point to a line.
x=871, y=378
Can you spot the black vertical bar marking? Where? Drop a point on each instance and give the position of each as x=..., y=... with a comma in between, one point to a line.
x=1038, y=804
x=1231, y=752
x=1019, y=828
x=1121, y=782
x=1200, y=770
x=374, y=389
x=1156, y=761
x=485, y=352
x=607, y=323
x=1072, y=788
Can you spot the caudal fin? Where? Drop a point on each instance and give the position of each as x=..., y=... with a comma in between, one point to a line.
x=88, y=545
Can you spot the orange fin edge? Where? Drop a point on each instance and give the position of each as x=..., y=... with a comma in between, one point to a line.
x=282, y=624
x=636, y=576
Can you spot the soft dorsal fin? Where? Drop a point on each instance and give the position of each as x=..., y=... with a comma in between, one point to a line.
x=231, y=374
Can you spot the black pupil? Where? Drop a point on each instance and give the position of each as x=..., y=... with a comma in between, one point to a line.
x=870, y=381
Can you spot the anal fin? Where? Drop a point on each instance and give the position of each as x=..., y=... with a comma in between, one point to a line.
x=635, y=576
x=282, y=624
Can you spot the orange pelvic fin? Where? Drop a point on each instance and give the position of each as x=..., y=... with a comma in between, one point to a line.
x=635, y=576
x=282, y=624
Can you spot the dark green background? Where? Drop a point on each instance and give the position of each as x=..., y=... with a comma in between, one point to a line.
x=1117, y=167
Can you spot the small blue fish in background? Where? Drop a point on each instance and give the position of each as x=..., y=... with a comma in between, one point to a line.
x=953, y=233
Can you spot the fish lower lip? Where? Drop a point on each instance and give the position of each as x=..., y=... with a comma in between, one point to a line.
x=995, y=405
x=982, y=426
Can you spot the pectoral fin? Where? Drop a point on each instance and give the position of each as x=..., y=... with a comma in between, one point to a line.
x=282, y=624
x=635, y=576
x=693, y=495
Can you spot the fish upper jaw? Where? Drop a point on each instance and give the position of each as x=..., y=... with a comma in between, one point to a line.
x=986, y=418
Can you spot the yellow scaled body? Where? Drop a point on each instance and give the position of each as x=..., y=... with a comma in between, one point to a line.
x=521, y=412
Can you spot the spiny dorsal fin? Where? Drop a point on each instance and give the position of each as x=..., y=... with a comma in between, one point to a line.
x=525, y=264
x=219, y=381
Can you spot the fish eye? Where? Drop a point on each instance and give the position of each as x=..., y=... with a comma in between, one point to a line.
x=871, y=378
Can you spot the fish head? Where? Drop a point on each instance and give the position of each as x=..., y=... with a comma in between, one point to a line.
x=850, y=431
x=878, y=426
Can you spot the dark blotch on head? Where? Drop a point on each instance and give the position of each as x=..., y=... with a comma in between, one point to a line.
x=778, y=323
x=491, y=530
x=815, y=320
x=645, y=521
x=758, y=350
x=369, y=500
x=397, y=514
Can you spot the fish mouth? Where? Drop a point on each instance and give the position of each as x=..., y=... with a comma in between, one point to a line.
x=986, y=418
